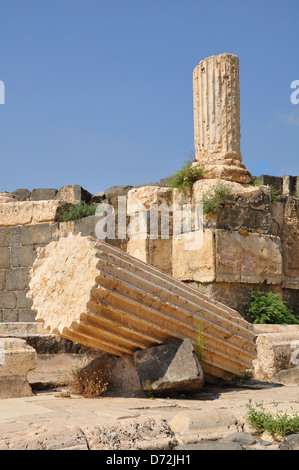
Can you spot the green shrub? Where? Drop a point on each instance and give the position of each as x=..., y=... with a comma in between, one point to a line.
x=199, y=350
x=278, y=424
x=212, y=202
x=186, y=176
x=274, y=194
x=269, y=308
x=78, y=211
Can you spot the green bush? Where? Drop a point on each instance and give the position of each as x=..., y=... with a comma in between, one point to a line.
x=275, y=196
x=78, y=211
x=186, y=176
x=269, y=308
x=212, y=202
x=278, y=424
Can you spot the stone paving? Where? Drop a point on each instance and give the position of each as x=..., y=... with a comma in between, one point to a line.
x=214, y=419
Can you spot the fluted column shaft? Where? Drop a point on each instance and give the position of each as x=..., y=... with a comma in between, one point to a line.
x=216, y=95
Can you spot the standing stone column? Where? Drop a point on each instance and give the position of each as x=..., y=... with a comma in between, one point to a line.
x=216, y=96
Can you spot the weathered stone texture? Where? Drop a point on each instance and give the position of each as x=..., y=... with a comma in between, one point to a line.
x=169, y=368
x=125, y=305
x=43, y=194
x=216, y=97
x=17, y=279
x=248, y=257
x=198, y=263
x=17, y=359
x=73, y=194
x=277, y=357
x=29, y=212
x=285, y=215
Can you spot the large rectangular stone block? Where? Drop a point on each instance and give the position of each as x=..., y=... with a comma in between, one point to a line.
x=9, y=315
x=43, y=194
x=73, y=194
x=4, y=257
x=22, y=300
x=248, y=257
x=8, y=299
x=29, y=212
x=17, y=359
x=36, y=234
x=2, y=279
x=26, y=315
x=157, y=252
x=194, y=261
x=10, y=236
x=17, y=279
x=22, y=256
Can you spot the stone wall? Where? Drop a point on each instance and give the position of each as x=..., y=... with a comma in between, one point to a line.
x=250, y=243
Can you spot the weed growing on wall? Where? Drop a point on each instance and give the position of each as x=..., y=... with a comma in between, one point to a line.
x=213, y=201
x=186, y=176
x=78, y=211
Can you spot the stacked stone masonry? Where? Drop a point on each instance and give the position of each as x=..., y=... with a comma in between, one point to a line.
x=250, y=243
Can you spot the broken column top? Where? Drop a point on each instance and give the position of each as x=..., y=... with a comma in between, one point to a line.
x=216, y=97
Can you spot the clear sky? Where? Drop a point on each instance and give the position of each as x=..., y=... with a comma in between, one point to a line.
x=99, y=92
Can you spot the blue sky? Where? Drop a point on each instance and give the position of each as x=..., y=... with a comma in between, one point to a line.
x=99, y=92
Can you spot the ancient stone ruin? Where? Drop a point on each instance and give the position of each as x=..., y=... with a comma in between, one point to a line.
x=125, y=292
x=216, y=96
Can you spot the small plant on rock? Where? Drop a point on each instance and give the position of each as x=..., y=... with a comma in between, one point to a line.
x=78, y=211
x=93, y=379
x=277, y=424
x=199, y=350
x=186, y=176
x=213, y=202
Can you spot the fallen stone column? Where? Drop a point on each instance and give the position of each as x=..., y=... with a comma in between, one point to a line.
x=97, y=295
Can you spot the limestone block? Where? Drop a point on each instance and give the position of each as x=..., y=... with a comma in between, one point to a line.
x=248, y=257
x=278, y=357
x=14, y=386
x=289, y=185
x=157, y=252
x=17, y=279
x=193, y=426
x=2, y=279
x=290, y=235
x=43, y=194
x=29, y=212
x=10, y=236
x=7, y=197
x=147, y=195
x=142, y=433
x=275, y=181
x=95, y=294
x=36, y=234
x=194, y=260
x=169, y=368
x=257, y=197
x=73, y=194
x=4, y=257
x=8, y=300
x=22, y=256
x=16, y=360
x=22, y=194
